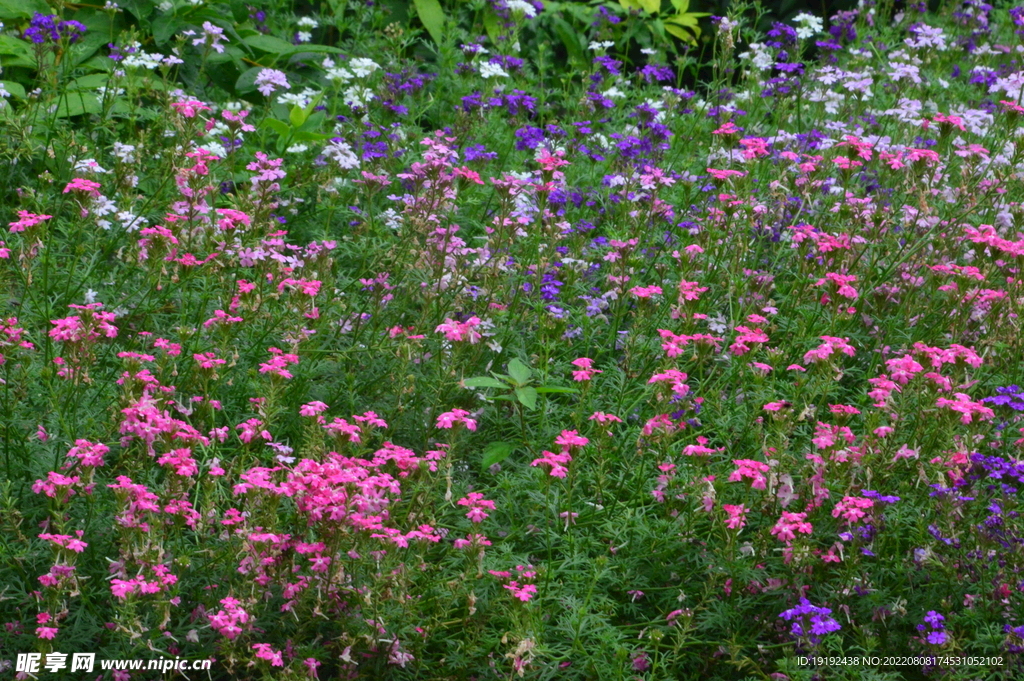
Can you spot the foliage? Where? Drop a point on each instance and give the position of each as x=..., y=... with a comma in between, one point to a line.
x=508, y=339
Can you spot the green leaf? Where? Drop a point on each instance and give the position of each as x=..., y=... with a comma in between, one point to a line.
x=165, y=26
x=297, y=117
x=315, y=119
x=496, y=452
x=90, y=82
x=432, y=17
x=492, y=26
x=483, y=382
x=649, y=6
x=681, y=5
x=280, y=127
x=17, y=90
x=76, y=104
x=22, y=9
x=269, y=43
x=571, y=39
x=556, y=389
x=527, y=397
x=246, y=82
x=19, y=49
x=680, y=32
x=519, y=372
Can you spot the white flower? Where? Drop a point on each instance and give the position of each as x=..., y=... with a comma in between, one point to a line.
x=760, y=56
x=297, y=149
x=307, y=22
x=304, y=36
x=522, y=6
x=648, y=51
x=89, y=165
x=614, y=93
x=602, y=46
x=341, y=153
x=215, y=148
x=125, y=152
x=809, y=25
x=362, y=67
x=489, y=70
x=358, y=96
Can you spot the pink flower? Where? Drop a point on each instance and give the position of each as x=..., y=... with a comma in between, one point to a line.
x=852, y=508
x=27, y=220
x=265, y=652
x=737, y=516
x=556, y=461
x=448, y=419
x=523, y=593
x=476, y=503
x=790, y=524
x=80, y=184
x=746, y=338
x=570, y=438
x=46, y=632
x=748, y=468
x=312, y=408
x=585, y=371
x=459, y=331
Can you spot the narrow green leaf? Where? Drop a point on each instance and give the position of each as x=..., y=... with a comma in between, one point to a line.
x=432, y=17
x=483, y=382
x=556, y=389
x=268, y=43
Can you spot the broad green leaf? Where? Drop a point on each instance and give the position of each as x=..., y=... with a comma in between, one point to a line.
x=280, y=127
x=22, y=9
x=19, y=49
x=527, y=397
x=269, y=43
x=246, y=82
x=297, y=116
x=649, y=6
x=16, y=90
x=90, y=82
x=556, y=389
x=519, y=372
x=77, y=103
x=432, y=17
x=680, y=32
x=681, y=5
x=496, y=452
x=483, y=382
x=314, y=118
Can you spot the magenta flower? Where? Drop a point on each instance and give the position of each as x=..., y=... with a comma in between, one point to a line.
x=737, y=516
x=449, y=419
x=476, y=503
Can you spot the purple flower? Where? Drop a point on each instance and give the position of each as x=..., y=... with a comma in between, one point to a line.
x=46, y=27
x=268, y=80
x=819, y=619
